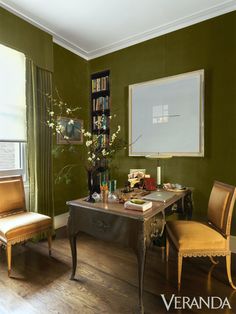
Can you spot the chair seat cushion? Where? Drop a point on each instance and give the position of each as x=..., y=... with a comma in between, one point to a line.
x=195, y=236
x=24, y=223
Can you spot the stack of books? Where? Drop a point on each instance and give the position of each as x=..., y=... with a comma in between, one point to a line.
x=138, y=204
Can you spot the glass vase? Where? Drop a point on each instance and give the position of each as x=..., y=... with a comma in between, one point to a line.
x=90, y=186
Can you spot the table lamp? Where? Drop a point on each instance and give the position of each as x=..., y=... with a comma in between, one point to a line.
x=158, y=156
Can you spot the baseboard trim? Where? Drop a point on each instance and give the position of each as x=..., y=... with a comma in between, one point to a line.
x=61, y=220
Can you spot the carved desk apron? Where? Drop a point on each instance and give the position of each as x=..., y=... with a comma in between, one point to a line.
x=111, y=222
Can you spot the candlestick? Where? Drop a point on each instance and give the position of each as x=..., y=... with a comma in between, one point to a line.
x=158, y=175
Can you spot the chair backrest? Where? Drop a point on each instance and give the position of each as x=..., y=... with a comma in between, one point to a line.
x=220, y=206
x=12, y=195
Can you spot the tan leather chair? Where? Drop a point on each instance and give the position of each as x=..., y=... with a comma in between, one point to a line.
x=16, y=224
x=193, y=239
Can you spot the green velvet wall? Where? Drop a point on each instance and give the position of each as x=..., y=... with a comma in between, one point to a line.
x=71, y=78
x=22, y=36
x=210, y=45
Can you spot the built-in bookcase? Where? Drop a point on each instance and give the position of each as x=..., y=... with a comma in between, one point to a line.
x=100, y=104
x=100, y=112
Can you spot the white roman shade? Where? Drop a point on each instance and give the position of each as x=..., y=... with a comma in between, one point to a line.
x=12, y=95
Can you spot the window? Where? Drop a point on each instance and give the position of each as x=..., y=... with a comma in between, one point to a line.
x=12, y=112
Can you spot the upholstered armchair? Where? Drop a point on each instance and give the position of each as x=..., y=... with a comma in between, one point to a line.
x=192, y=239
x=16, y=224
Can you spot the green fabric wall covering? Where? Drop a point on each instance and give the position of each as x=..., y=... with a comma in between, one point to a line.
x=71, y=78
x=209, y=45
x=22, y=36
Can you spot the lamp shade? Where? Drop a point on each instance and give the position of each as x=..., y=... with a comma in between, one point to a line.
x=12, y=91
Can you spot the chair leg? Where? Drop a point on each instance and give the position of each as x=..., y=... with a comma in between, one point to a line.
x=180, y=259
x=8, y=251
x=163, y=253
x=50, y=242
x=213, y=261
x=228, y=268
x=167, y=248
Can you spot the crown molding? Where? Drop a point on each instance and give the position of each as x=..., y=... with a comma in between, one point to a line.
x=70, y=46
x=225, y=7
x=58, y=39
x=189, y=20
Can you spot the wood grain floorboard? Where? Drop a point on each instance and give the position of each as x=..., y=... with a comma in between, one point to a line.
x=106, y=279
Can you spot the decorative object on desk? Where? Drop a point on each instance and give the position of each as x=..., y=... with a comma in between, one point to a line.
x=158, y=176
x=122, y=197
x=90, y=186
x=158, y=157
x=136, y=175
x=96, y=197
x=137, y=204
x=150, y=184
x=112, y=186
x=159, y=196
x=174, y=187
x=141, y=184
x=104, y=192
x=112, y=189
x=98, y=155
x=127, y=188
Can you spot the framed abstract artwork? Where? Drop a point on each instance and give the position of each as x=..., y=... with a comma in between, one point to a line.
x=166, y=116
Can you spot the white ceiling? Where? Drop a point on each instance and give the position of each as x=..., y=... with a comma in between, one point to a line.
x=93, y=28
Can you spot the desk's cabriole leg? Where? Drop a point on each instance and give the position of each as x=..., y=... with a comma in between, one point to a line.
x=188, y=206
x=74, y=255
x=49, y=236
x=72, y=238
x=141, y=257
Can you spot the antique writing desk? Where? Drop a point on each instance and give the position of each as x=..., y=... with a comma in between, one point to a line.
x=111, y=222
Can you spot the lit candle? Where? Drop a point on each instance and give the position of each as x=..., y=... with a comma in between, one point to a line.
x=158, y=175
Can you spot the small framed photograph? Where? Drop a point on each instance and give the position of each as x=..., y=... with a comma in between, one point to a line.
x=137, y=173
x=70, y=130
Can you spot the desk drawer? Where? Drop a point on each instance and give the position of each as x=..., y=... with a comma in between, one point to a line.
x=101, y=225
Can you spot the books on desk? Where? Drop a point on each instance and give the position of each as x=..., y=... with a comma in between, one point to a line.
x=159, y=196
x=137, y=204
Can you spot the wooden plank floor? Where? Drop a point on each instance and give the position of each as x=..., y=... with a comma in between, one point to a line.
x=106, y=279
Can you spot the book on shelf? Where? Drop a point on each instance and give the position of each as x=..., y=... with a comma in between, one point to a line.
x=103, y=140
x=100, y=84
x=100, y=122
x=101, y=103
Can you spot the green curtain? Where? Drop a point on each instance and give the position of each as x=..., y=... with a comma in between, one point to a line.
x=39, y=138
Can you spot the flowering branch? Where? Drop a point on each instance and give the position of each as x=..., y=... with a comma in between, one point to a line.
x=100, y=147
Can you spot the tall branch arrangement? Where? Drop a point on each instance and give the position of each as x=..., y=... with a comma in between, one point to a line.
x=98, y=154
